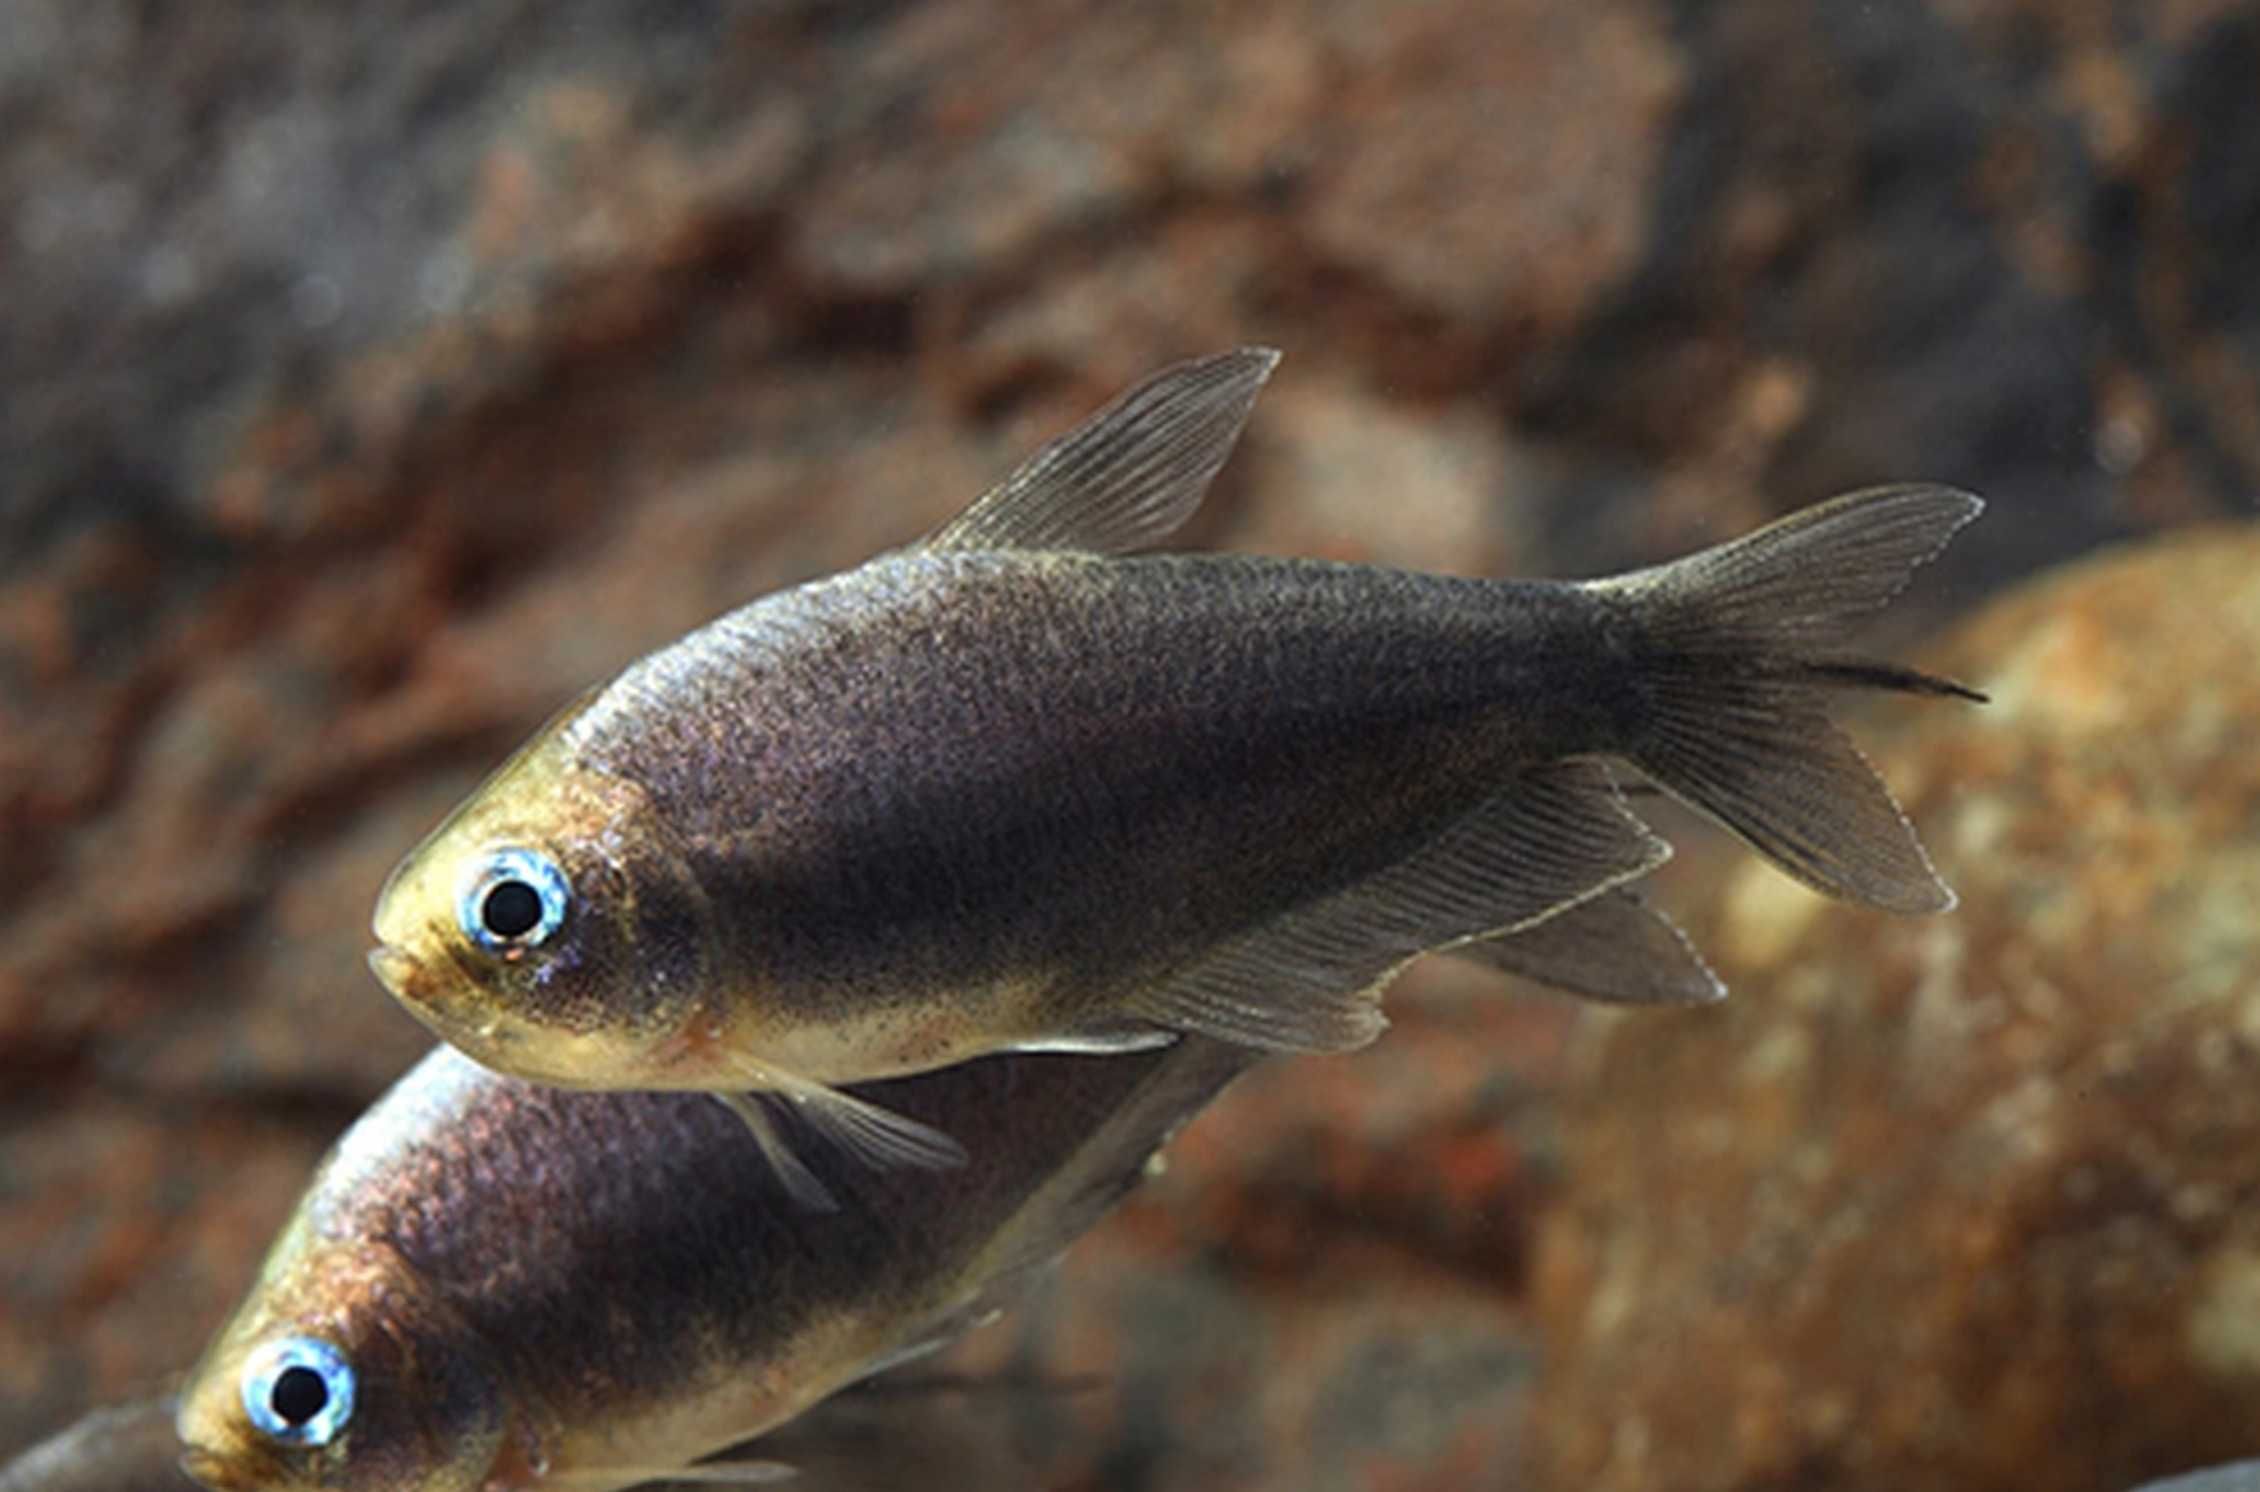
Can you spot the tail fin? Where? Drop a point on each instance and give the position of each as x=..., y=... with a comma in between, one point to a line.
x=1736, y=651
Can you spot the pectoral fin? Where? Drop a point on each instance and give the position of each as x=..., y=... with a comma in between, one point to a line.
x=879, y=1137
x=1312, y=980
x=800, y=1181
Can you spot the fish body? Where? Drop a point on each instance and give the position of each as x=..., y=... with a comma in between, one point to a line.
x=970, y=799
x=1018, y=786
x=980, y=798
x=515, y=1284
x=2240, y=1476
x=129, y=1448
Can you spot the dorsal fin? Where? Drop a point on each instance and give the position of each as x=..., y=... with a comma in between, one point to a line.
x=1126, y=477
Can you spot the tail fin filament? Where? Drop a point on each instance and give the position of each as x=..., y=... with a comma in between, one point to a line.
x=1739, y=647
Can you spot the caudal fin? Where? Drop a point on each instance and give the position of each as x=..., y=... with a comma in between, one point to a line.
x=1736, y=650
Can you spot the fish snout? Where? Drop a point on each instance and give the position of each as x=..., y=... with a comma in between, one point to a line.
x=221, y=1471
x=207, y=1469
x=396, y=969
x=455, y=1010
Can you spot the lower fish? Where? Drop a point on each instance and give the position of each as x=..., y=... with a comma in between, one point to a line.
x=130, y=1448
x=1020, y=787
x=2240, y=1476
x=496, y=1285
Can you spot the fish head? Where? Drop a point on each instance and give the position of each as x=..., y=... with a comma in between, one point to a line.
x=341, y=1372
x=551, y=929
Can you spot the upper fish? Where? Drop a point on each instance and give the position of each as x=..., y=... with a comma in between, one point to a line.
x=500, y=1285
x=1019, y=786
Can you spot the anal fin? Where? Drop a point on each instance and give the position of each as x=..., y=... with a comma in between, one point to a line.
x=1615, y=947
x=1311, y=980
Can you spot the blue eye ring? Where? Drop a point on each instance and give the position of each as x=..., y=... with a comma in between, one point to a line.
x=298, y=1390
x=513, y=899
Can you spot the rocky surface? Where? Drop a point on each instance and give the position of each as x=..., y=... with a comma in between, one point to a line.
x=370, y=385
x=1965, y=1202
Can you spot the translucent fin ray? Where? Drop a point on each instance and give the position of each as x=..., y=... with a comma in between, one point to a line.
x=798, y=1180
x=1614, y=947
x=1818, y=569
x=1736, y=650
x=1311, y=981
x=1130, y=475
x=1785, y=779
x=879, y=1137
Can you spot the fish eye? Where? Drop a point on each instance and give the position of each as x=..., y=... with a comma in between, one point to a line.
x=298, y=1390
x=512, y=900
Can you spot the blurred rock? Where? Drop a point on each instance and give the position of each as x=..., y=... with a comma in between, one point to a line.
x=1452, y=183
x=1969, y=1201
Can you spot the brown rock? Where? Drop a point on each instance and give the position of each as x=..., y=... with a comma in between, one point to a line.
x=1964, y=1202
x=1339, y=474
x=1448, y=121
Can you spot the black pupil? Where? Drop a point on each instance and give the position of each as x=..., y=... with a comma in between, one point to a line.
x=512, y=909
x=298, y=1395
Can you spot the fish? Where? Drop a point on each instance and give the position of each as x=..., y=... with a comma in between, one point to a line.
x=496, y=1284
x=2239, y=1476
x=887, y=1432
x=1024, y=785
x=126, y=1448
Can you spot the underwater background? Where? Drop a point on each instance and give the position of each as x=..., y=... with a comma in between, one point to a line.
x=374, y=379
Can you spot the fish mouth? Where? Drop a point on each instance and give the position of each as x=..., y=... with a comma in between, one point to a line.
x=204, y=1468
x=439, y=1006
x=395, y=968
x=209, y=1468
